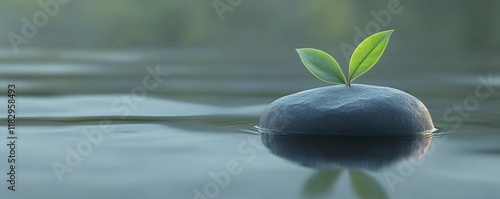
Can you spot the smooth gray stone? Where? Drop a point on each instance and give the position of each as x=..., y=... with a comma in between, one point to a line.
x=347, y=110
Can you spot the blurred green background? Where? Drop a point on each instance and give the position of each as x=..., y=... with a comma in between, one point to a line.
x=251, y=51
x=468, y=26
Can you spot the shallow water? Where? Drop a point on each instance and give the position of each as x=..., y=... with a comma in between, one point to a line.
x=197, y=116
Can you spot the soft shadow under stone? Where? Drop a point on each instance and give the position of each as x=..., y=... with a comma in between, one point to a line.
x=348, y=110
x=352, y=152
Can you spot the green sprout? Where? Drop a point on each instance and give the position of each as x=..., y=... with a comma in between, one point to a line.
x=365, y=56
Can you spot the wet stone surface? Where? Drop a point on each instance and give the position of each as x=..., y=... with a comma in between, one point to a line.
x=348, y=110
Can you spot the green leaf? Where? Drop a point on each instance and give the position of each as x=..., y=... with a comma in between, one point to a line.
x=322, y=65
x=366, y=187
x=367, y=54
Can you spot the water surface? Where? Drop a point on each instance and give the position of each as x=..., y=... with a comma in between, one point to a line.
x=200, y=117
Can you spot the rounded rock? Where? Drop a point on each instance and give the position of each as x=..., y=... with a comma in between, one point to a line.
x=347, y=110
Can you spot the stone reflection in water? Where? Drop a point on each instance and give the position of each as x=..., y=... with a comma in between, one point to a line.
x=353, y=152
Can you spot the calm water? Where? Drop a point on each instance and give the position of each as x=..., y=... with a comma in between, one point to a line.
x=110, y=135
